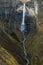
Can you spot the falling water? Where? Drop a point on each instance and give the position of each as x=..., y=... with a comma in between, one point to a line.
x=23, y=19
x=36, y=12
x=36, y=7
x=23, y=31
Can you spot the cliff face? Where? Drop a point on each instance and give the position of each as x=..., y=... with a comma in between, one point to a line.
x=6, y=3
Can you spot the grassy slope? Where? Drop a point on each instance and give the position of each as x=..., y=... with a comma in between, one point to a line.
x=6, y=58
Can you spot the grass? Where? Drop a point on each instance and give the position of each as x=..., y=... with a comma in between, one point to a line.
x=6, y=58
x=35, y=45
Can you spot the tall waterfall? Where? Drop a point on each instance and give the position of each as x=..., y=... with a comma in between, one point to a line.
x=23, y=19
x=23, y=31
x=36, y=13
x=36, y=7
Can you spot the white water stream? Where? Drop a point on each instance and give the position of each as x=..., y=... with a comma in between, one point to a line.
x=22, y=30
x=23, y=19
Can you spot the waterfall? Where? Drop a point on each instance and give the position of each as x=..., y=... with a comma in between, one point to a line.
x=36, y=7
x=36, y=12
x=23, y=19
x=23, y=31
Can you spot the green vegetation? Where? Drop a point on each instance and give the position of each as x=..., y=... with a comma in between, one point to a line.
x=6, y=58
